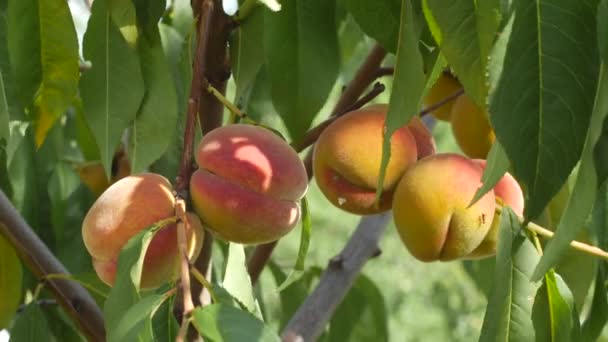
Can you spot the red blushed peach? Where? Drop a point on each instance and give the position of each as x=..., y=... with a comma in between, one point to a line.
x=248, y=184
x=347, y=156
x=431, y=208
x=123, y=210
x=509, y=192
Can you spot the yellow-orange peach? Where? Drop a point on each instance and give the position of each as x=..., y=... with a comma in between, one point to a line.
x=347, y=156
x=248, y=185
x=510, y=194
x=471, y=128
x=425, y=143
x=445, y=86
x=431, y=208
x=123, y=210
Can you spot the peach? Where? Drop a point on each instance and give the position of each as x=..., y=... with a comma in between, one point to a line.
x=471, y=128
x=425, y=143
x=347, y=156
x=509, y=192
x=431, y=208
x=123, y=210
x=445, y=86
x=248, y=185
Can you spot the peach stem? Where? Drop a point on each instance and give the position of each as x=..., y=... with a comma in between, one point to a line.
x=548, y=234
x=180, y=212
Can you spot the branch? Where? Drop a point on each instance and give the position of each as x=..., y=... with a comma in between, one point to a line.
x=364, y=77
x=312, y=316
x=74, y=299
x=435, y=106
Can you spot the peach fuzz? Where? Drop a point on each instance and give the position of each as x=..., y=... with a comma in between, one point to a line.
x=248, y=184
x=123, y=210
x=347, y=156
x=431, y=208
x=508, y=191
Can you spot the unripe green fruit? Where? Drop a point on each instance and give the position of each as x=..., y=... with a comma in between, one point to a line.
x=431, y=208
x=248, y=185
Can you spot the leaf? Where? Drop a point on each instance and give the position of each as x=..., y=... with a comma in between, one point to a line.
x=59, y=63
x=224, y=323
x=497, y=165
x=62, y=183
x=298, y=268
x=362, y=314
x=247, y=51
x=135, y=317
x=150, y=132
x=378, y=19
x=302, y=59
x=509, y=307
x=23, y=38
x=584, y=192
x=598, y=312
x=553, y=313
x=31, y=326
x=236, y=279
x=408, y=86
x=465, y=31
x=541, y=95
x=5, y=94
x=125, y=292
x=112, y=89
x=61, y=325
x=164, y=323
x=600, y=155
x=11, y=275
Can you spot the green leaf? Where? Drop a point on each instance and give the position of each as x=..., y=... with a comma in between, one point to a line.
x=135, y=318
x=112, y=89
x=11, y=276
x=247, y=51
x=583, y=195
x=150, y=132
x=541, y=96
x=236, y=279
x=61, y=325
x=509, y=307
x=362, y=314
x=408, y=85
x=59, y=63
x=554, y=314
x=298, y=268
x=63, y=182
x=125, y=292
x=378, y=19
x=465, y=31
x=598, y=312
x=31, y=326
x=302, y=59
x=224, y=323
x=5, y=95
x=164, y=323
x=497, y=165
x=23, y=38
x=600, y=155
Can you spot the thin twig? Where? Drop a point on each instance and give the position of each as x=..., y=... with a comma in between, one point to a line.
x=439, y=104
x=72, y=297
x=182, y=243
x=312, y=316
x=386, y=71
x=364, y=77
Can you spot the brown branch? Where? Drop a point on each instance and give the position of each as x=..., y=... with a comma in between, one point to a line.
x=216, y=70
x=435, y=106
x=312, y=316
x=74, y=299
x=364, y=77
x=386, y=71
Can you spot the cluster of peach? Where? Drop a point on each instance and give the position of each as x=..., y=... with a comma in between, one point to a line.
x=430, y=194
x=247, y=189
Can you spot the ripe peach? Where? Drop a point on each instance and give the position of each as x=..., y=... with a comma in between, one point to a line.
x=248, y=184
x=347, y=156
x=471, y=128
x=431, y=208
x=509, y=192
x=123, y=210
x=425, y=143
x=445, y=86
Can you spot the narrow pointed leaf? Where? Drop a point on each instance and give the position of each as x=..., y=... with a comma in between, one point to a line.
x=31, y=325
x=247, y=51
x=553, y=310
x=11, y=275
x=302, y=59
x=224, y=323
x=510, y=303
x=112, y=89
x=236, y=279
x=378, y=19
x=541, y=95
